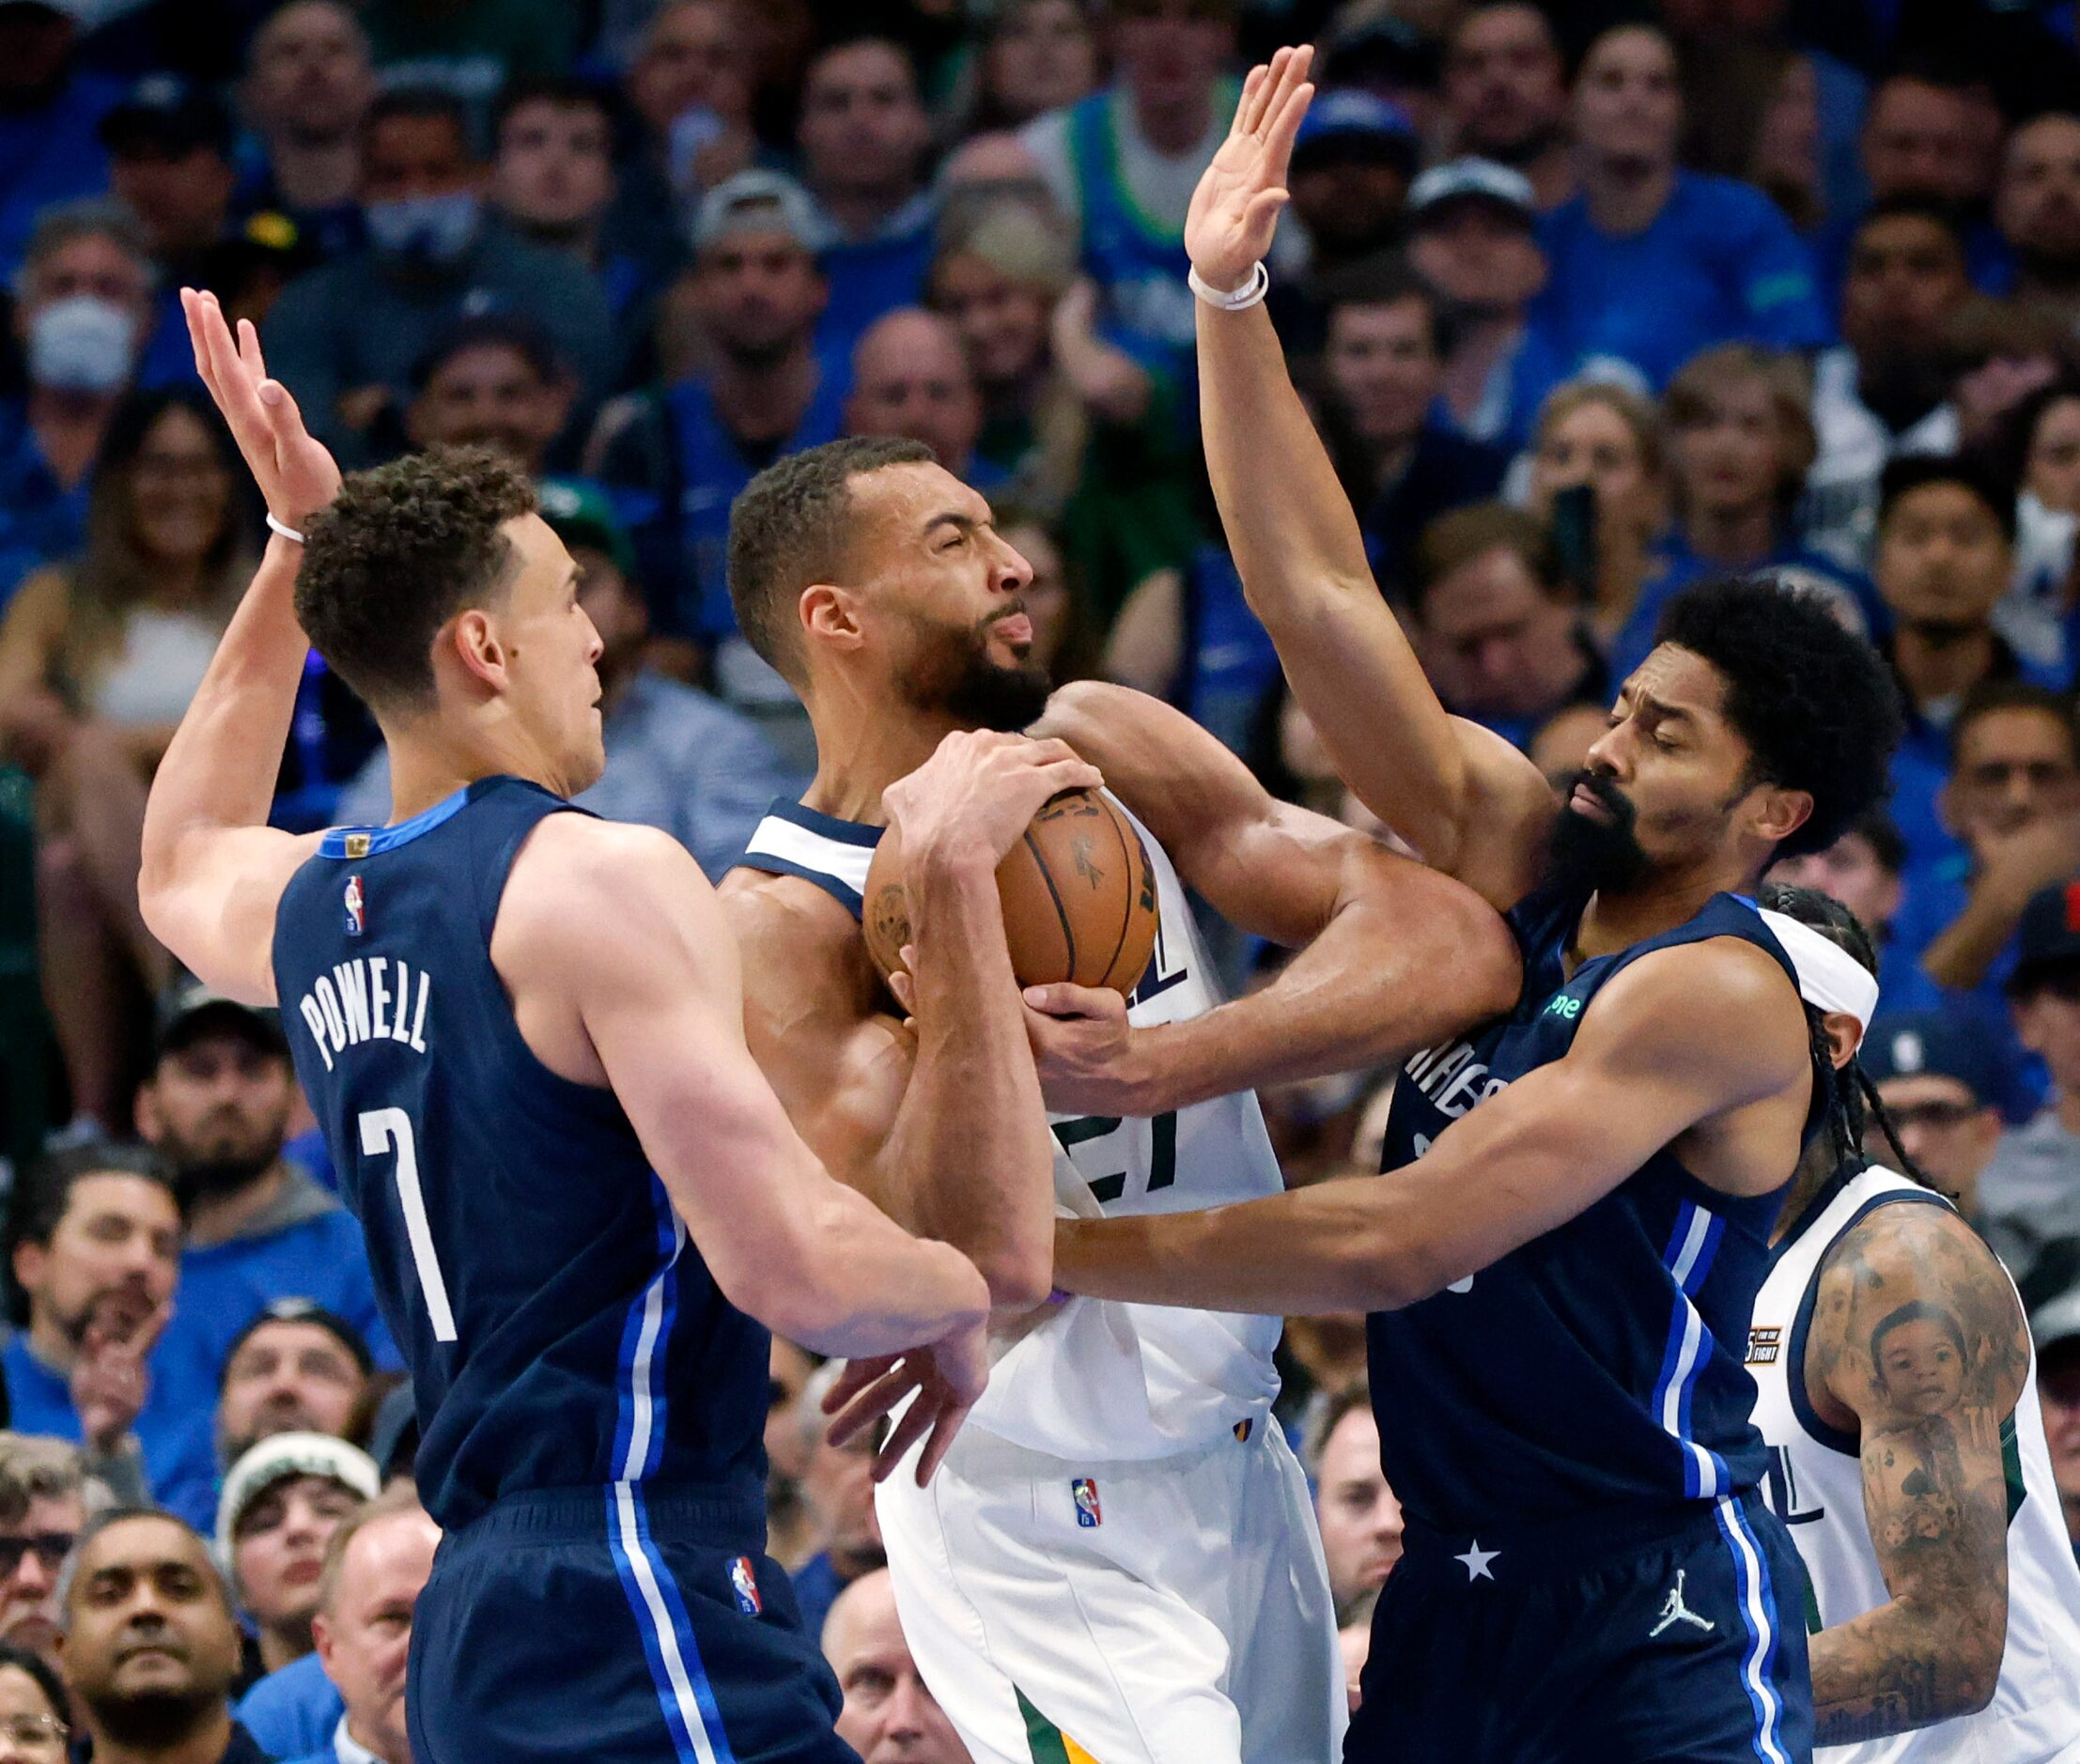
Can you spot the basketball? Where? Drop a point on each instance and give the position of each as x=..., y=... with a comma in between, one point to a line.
x=1078, y=894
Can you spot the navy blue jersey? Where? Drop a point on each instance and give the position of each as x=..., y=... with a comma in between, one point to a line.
x=561, y=1329
x=1599, y=1365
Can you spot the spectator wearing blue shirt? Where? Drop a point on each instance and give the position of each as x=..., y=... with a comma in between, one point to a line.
x=1886, y=391
x=2038, y=207
x=837, y=1482
x=49, y=110
x=1739, y=442
x=676, y=459
x=2011, y=802
x=346, y=335
x=217, y=1107
x=82, y=307
x=308, y=84
x=376, y=1567
x=1599, y=481
x=912, y=378
x=1498, y=630
x=1401, y=461
x=1473, y=237
x=1919, y=142
x=95, y=1252
x=553, y=180
x=169, y=158
x=1353, y=162
x=1652, y=263
x=1505, y=92
x=1943, y=557
x=864, y=135
x=1864, y=871
x=1939, y=1081
x=292, y=1713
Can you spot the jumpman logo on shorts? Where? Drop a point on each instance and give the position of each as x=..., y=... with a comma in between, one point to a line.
x=1675, y=1611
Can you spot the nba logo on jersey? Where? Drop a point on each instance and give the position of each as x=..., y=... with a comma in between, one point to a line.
x=746, y=1586
x=357, y=909
x=1085, y=1490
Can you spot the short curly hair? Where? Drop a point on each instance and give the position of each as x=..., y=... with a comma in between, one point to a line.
x=789, y=528
x=396, y=554
x=1816, y=704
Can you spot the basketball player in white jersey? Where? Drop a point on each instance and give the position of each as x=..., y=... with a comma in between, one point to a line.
x=1121, y=1564
x=1896, y=1390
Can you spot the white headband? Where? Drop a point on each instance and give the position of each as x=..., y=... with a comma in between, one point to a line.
x=1829, y=978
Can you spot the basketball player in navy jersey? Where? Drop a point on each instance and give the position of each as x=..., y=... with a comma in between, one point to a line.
x=522, y=1030
x=1562, y=1258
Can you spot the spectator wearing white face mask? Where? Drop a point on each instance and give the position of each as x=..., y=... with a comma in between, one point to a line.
x=83, y=300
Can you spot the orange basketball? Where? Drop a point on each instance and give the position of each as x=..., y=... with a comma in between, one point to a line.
x=1078, y=897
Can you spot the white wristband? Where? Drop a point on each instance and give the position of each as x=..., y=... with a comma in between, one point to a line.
x=1235, y=299
x=283, y=528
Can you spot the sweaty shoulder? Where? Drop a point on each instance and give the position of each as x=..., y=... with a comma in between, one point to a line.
x=583, y=891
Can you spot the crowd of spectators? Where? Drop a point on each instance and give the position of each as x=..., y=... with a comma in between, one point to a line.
x=1591, y=303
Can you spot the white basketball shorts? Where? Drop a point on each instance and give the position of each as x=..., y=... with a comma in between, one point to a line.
x=1170, y=1611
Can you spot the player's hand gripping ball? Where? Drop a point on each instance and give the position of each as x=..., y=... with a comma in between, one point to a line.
x=1078, y=894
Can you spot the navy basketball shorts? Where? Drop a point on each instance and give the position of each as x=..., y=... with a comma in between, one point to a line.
x=1630, y=1640
x=618, y=1626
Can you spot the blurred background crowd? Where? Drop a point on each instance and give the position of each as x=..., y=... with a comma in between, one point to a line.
x=1591, y=301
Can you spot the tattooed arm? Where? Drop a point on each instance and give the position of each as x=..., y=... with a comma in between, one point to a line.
x=1919, y=1345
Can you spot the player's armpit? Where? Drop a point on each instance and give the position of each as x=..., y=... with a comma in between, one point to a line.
x=1393, y=956
x=1683, y=1037
x=1918, y=1335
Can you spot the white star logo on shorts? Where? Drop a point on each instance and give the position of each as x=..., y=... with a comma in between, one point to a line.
x=1477, y=1561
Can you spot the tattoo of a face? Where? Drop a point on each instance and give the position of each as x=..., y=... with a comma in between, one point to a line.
x=1918, y=1333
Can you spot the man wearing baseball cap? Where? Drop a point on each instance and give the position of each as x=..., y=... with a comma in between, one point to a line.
x=2030, y=1193
x=217, y=1106
x=1352, y=163
x=1938, y=1082
x=678, y=457
x=1473, y=237
x=679, y=759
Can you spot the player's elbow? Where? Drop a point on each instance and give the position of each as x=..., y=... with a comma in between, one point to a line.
x=1977, y=1646
x=1018, y=1276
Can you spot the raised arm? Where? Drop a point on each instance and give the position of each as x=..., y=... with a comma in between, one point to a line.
x=620, y=961
x=1392, y=956
x=945, y=1128
x=1918, y=1337
x=212, y=870
x=1463, y=798
x=1703, y=1043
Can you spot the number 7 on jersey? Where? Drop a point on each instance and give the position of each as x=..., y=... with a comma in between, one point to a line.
x=382, y=1129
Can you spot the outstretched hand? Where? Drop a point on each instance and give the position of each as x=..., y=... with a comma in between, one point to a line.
x=1235, y=208
x=295, y=473
x=947, y=1376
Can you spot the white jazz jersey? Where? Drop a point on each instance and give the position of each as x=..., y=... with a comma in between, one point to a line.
x=1090, y=1377
x=1118, y=1560
x=1815, y=1484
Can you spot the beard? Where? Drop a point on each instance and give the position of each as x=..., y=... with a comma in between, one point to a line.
x=1585, y=856
x=153, y=1721
x=210, y=1177
x=957, y=678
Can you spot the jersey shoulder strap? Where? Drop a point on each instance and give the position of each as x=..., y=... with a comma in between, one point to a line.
x=834, y=854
